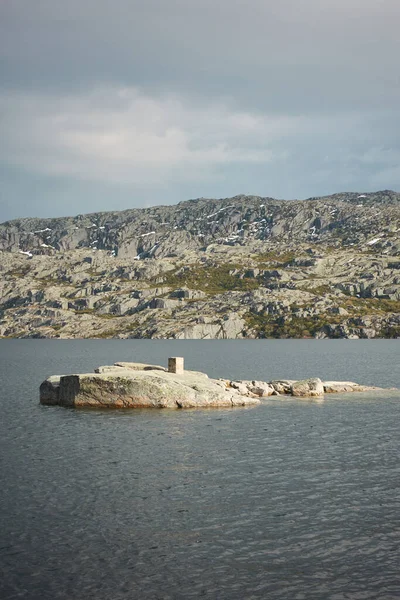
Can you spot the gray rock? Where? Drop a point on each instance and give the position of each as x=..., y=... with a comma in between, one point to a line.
x=187, y=294
x=308, y=388
x=261, y=388
x=163, y=303
x=282, y=386
x=144, y=389
x=50, y=390
x=241, y=386
x=341, y=387
x=200, y=332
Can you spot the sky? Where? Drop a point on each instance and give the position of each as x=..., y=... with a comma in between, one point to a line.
x=115, y=104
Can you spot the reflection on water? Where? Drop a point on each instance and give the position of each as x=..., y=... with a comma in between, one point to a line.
x=291, y=499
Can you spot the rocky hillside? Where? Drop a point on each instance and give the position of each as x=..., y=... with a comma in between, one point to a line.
x=230, y=268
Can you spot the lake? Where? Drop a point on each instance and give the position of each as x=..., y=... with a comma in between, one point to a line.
x=293, y=499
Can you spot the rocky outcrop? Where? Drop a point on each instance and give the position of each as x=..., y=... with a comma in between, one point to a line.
x=132, y=388
x=244, y=267
x=139, y=385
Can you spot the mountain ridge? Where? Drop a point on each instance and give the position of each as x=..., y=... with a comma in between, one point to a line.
x=379, y=195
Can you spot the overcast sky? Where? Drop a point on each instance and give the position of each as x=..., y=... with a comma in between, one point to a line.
x=112, y=104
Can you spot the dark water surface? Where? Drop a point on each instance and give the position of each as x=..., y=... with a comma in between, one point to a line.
x=293, y=499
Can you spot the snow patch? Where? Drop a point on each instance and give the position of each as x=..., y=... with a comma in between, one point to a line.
x=219, y=211
x=374, y=241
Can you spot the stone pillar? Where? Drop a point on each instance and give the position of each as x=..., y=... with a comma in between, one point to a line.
x=175, y=365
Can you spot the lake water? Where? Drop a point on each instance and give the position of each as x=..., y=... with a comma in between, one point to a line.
x=293, y=499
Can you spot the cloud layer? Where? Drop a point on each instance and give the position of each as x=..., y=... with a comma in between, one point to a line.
x=123, y=135
x=195, y=98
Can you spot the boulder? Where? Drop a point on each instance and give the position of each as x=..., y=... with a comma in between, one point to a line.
x=261, y=388
x=252, y=388
x=50, y=390
x=308, y=388
x=282, y=386
x=241, y=386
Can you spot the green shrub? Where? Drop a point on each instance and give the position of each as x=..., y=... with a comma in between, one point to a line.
x=271, y=326
x=210, y=279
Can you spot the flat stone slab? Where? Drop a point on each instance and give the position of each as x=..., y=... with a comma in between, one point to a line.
x=342, y=387
x=135, y=366
x=128, y=365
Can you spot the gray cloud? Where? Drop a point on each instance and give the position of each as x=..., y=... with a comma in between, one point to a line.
x=289, y=54
x=215, y=97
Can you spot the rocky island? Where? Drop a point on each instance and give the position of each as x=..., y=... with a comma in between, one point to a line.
x=140, y=385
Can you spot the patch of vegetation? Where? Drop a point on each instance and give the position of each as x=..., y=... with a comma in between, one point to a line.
x=108, y=333
x=392, y=331
x=46, y=281
x=283, y=259
x=19, y=274
x=13, y=336
x=372, y=305
x=123, y=328
x=209, y=279
x=92, y=272
x=297, y=327
x=320, y=290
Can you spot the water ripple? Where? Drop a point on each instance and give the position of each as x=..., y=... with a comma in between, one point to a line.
x=289, y=501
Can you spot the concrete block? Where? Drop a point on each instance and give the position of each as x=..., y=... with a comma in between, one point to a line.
x=175, y=365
